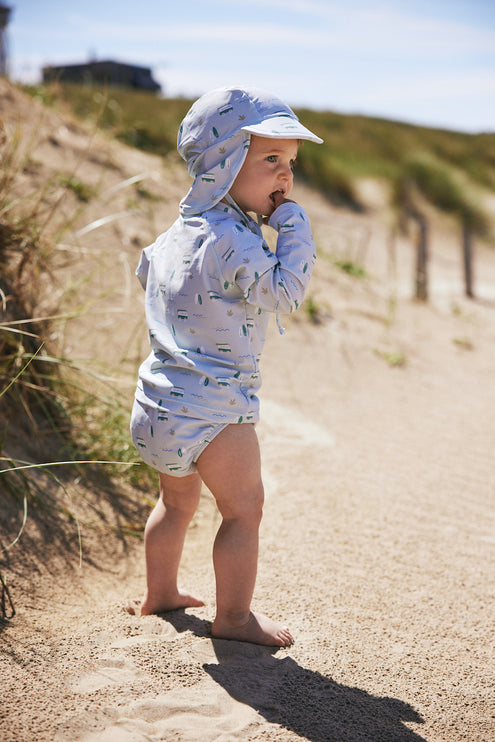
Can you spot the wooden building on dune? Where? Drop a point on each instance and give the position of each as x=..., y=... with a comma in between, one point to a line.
x=108, y=72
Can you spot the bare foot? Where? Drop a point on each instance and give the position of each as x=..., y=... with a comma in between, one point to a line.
x=258, y=629
x=180, y=600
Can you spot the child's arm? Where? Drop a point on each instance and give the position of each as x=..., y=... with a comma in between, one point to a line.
x=278, y=282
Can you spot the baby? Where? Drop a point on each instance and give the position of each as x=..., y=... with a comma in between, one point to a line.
x=211, y=284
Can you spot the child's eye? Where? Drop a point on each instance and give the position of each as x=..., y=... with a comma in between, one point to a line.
x=272, y=158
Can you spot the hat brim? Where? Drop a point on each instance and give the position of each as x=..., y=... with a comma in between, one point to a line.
x=282, y=127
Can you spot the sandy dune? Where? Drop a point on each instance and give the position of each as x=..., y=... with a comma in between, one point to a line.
x=378, y=540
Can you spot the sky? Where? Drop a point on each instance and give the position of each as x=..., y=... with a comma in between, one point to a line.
x=428, y=62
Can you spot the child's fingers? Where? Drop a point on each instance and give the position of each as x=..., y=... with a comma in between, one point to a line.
x=277, y=197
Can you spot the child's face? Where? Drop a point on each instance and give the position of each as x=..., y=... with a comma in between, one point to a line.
x=267, y=170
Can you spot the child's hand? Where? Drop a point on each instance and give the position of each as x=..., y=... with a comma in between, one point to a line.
x=277, y=198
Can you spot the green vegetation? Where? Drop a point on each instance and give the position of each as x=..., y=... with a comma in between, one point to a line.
x=56, y=423
x=83, y=191
x=351, y=268
x=464, y=343
x=372, y=147
x=139, y=119
x=312, y=309
x=394, y=358
x=450, y=169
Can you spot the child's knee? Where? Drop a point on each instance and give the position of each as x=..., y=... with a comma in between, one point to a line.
x=253, y=503
x=180, y=493
x=243, y=504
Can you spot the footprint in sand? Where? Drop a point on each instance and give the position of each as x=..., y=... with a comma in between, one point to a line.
x=110, y=671
x=152, y=627
x=179, y=714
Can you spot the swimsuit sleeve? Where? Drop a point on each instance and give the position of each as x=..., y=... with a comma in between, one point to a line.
x=143, y=268
x=277, y=282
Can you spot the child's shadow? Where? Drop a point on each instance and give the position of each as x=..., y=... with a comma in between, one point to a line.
x=304, y=701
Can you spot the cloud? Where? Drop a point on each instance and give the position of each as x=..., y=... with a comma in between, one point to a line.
x=399, y=58
x=359, y=31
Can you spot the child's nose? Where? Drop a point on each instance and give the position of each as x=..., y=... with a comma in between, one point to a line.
x=285, y=172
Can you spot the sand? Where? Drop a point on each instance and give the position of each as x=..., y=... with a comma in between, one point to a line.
x=378, y=536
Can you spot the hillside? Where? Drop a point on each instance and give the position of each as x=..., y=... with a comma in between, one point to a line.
x=377, y=433
x=452, y=169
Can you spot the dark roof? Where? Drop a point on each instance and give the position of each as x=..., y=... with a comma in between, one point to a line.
x=103, y=72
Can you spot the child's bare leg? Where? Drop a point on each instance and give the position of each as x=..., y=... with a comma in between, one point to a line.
x=230, y=467
x=164, y=540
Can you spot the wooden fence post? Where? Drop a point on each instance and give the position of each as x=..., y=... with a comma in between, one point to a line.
x=421, y=257
x=467, y=258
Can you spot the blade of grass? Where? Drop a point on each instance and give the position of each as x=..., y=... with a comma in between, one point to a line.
x=104, y=220
x=124, y=183
x=12, y=381
x=64, y=463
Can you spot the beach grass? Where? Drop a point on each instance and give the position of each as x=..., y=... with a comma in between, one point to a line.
x=354, y=147
x=60, y=422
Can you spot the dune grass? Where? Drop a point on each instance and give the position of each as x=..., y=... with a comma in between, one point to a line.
x=139, y=119
x=58, y=424
x=449, y=168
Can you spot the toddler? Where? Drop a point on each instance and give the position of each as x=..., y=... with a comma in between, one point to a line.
x=211, y=283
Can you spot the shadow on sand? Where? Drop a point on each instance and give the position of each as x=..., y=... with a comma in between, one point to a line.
x=298, y=699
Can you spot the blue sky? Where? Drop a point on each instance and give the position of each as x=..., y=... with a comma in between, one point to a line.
x=429, y=62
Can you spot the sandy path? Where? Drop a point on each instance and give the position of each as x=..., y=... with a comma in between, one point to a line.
x=377, y=549
x=377, y=544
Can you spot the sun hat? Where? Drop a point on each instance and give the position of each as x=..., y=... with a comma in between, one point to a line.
x=214, y=139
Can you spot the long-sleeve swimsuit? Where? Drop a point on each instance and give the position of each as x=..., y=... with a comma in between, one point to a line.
x=211, y=283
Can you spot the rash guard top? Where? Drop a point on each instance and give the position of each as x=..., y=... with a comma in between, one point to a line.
x=211, y=283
